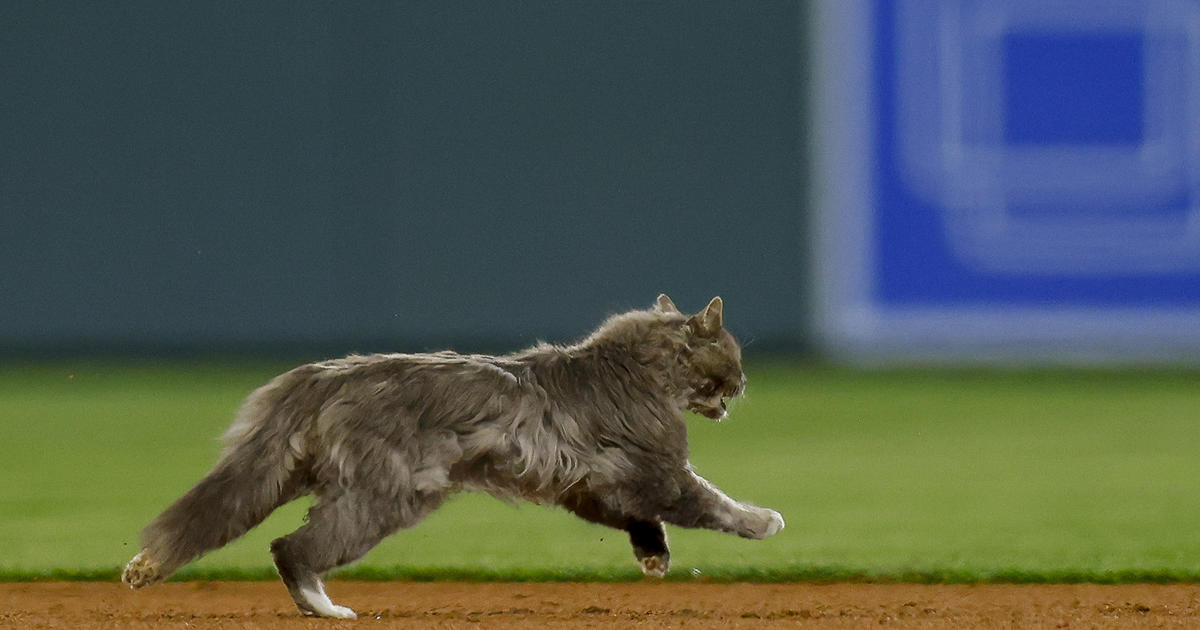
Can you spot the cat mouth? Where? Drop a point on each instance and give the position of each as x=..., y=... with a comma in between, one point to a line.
x=711, y=412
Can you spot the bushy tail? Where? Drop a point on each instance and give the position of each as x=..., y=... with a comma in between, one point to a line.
x=255, y=476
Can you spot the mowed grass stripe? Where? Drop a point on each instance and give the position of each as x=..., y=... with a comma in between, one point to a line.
x=934, y=475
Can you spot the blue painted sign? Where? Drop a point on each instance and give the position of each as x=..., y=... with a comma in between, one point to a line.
x=1009, y=179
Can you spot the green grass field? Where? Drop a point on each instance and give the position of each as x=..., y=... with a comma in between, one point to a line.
x=922, y=475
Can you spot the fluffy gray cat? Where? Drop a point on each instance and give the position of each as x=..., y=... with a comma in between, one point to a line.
x=381, y=440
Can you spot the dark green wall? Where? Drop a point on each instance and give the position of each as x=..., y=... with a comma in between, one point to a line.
x=369, y=176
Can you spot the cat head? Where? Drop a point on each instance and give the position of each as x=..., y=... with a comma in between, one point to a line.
x=693, y=358
x=710, y=358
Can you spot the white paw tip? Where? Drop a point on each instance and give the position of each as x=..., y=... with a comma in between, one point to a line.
x=774, y=523
x=141, y=571
x=316, y=603
x=653, y=566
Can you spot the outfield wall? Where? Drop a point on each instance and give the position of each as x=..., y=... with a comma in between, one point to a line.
x=989, y=181
x=353, y=176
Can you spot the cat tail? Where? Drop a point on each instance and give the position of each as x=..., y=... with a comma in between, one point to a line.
x=257, y=473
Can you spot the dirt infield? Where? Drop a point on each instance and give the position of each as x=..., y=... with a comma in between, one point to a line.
x=253, y=605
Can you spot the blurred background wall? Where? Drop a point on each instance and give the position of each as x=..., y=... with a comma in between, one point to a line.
x=954, y=179
x=328, y=177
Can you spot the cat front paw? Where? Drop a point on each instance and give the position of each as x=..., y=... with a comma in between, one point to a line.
x=762, y=523
x=655, y=566
x=775, y=523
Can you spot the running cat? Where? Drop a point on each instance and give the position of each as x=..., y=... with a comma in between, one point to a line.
x=380, y=441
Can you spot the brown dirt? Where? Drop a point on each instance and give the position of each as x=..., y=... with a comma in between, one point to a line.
x=642, y=605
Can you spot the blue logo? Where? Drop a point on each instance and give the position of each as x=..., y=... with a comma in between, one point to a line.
x=1020, y=171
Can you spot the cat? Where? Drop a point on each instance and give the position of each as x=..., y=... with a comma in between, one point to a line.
x=380, y=441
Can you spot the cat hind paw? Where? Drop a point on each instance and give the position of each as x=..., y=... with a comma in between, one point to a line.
x=141, y=571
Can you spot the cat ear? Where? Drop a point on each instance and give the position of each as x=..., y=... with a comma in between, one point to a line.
x=665, y=305
x=709, y=321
